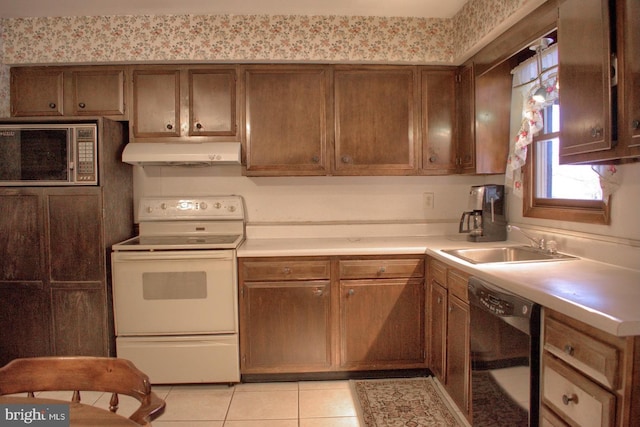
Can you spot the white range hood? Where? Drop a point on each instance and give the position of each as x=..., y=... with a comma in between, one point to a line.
x=181, y=154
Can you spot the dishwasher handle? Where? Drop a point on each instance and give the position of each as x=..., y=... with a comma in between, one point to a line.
x=498, y=301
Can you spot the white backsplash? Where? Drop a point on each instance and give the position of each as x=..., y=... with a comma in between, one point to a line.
x=391, y=206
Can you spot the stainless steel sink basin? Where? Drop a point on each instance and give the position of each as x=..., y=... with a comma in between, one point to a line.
x=506, y=254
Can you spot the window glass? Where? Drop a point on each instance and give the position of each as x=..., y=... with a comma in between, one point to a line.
x=555, y=181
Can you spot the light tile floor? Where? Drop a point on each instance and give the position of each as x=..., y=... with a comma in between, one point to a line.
x=277, y=404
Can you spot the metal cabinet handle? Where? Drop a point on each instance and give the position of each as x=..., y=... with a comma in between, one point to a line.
x=315, y=159
x=351, y=292
x=568, y=349
x=635, y=125
x=568, y=399
x=286, y=270
x=52, y=105
x=382, y=270
x=169, y=126
x=347, y=159
x=199, y=126
x=318, y=292
x=450, y=308
x=596, y=132
x=439, y=300
x=433, y=159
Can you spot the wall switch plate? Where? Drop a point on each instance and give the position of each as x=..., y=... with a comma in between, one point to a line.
x=428, y=200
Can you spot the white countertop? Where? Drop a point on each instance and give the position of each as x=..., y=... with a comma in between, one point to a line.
x=602, y=295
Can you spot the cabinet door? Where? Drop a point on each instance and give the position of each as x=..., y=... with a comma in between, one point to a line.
x=21, y=237
x=629, y=81
x=285, y=326
x=584, y=77
x=78, y=316
x=286, y=126
x=212, y=102
x=458, y=369
x=374, y=121
x=156, y=103
x=37, y=92
x=437, y=333
x=466, y=121
x=98, y=92
x=438, y=121
x=24, y=316
x=492, y=119
x=382, y=323
x=75, y=236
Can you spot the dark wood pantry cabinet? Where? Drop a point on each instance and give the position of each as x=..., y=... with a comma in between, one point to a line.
x=54, y=259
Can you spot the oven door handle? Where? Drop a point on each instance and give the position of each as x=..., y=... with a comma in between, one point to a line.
x=173, y=255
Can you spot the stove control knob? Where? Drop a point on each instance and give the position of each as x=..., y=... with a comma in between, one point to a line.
x=218, y=205
x=203, y=205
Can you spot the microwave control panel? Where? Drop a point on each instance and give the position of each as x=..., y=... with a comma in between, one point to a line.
x=86, y=154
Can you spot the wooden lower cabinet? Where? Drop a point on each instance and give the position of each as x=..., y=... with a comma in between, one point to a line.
x=589, y=377
x=381, y=323
x=298, y=316
x=287, y=326
x=448, y=333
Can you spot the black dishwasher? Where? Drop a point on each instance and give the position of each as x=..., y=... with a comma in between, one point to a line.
x=505, y=357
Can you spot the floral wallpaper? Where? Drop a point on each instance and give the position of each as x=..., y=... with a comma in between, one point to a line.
x=245, y=38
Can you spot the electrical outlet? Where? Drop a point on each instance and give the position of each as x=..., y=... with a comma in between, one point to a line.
x=428, y=200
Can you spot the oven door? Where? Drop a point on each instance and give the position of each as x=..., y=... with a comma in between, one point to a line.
x=174, y=292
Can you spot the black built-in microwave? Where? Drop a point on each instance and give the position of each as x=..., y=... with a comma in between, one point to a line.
x=51, y=154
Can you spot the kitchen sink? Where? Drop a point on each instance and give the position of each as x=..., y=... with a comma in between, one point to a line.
x=510, y=254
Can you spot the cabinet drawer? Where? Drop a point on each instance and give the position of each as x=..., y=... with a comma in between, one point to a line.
x=457, y=284
x=382, y=268
x=438, y=271
x=286, y=270
x=593, y=357
x=575, y=398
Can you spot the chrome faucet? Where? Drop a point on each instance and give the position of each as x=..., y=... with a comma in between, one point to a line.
x=536, y=242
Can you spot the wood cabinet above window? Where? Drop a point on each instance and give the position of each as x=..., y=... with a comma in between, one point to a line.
x=599, y=80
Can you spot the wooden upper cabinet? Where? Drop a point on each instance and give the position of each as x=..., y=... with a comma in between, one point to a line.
x=69, y=91
x=98, y=92
x=156, y=103
x=37, y=92
x=439, y=136
x=375, y=121
x=585, y=79
x=466, y=157
x=184, y=103
x=628, y=13
x=286, y=120
x=212, y=102
x=492, y=119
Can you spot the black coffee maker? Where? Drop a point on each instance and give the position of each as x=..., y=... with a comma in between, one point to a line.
x=485, y=221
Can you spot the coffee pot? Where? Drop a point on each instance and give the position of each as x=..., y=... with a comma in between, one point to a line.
x=485, y=221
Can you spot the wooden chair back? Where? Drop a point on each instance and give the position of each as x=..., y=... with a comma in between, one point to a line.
x=106, y=374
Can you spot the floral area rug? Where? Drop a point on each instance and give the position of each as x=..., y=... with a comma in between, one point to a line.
x=403, y=402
